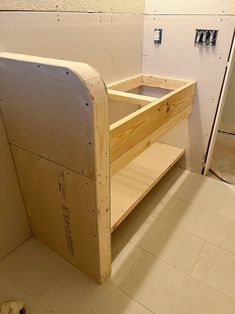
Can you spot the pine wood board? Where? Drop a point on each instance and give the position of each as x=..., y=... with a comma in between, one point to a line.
x=134, y=181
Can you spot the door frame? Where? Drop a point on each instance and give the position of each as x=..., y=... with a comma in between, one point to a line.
x=220, y=107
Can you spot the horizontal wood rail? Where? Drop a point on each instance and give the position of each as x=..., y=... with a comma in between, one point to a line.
x=139, y=129
x=130, y=98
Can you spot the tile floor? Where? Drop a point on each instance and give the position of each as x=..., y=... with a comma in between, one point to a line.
x=175, y=254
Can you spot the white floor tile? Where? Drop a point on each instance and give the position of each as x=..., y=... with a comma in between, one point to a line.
x=81, y=295
x=216, y=268
x=204, y=224
x=35, y=267
x=227, y=209
x=166, y=290
x=198, y=192
x=124, y=255
x=9, y=290
x=161, y=239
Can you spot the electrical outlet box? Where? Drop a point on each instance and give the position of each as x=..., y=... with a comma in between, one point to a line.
x=206, y=37
x=158, y=35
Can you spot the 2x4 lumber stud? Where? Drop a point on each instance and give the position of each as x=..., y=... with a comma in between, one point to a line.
x=130, y=98
x=129, y=131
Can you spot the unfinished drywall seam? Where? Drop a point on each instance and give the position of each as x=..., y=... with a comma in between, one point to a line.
x=89, y=6
x=14, y=166
x=184, y=7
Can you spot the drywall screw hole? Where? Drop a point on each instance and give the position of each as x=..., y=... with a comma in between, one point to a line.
x=87, y=104
x=38, y=65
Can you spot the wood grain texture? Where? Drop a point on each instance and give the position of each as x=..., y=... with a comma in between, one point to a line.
x=130, y=98
x=59, y=114
x=133, y=182
x=163, y=82
x=129, y=131
x=127, y=84
x=134, y=151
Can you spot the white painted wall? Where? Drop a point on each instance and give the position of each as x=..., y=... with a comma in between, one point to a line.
x=111, y=6
x=208, y=7
x=178, y=57
x=14, y=227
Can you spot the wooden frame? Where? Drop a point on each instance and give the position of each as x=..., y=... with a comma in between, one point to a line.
x=57, y=122
x=134, y=133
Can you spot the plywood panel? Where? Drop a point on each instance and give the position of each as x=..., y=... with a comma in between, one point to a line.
x=208, y=7
x=50, y=115
x=96, y=39
x=204, y=65
x=57, y=121
x=14, y=227
x=60, y=203
x=135, y=180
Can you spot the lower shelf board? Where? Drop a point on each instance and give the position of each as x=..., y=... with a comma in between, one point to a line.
x=134, y=181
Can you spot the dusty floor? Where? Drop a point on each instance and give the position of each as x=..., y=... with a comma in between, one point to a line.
x=223, y=161
x=175, y=254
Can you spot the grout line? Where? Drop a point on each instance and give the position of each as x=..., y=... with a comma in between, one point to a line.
x=203, y=239
x=206, y=209
x=186, y=231
x=26, y=292
x=186, y=274
x=197, y=259
x=119, y=288
x=16, y=248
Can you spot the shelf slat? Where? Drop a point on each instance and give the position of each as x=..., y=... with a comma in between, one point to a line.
x=134, y=181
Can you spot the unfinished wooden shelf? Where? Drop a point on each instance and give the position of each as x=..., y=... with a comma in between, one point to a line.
x=56, y=114
x=135, y=180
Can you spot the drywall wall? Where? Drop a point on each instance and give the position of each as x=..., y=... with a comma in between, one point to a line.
x=227, y=122
x=208, y=7
x=178, y=57
x=111, y=43
x=114, y=6
x=14, y=228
